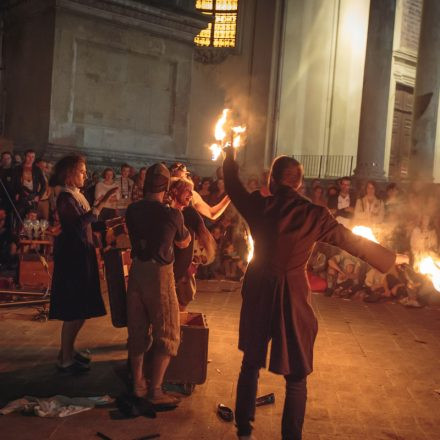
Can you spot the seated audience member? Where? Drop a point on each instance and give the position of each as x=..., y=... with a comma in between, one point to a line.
x=344, y=272
x=393, y=202
x=205, y=186
x=231, y=262
x=317, y=270
x=252, y=183
x=154, y=229
x=90, y=187
x=369, y=210
x=180, y=194
x=108, y=210
x=6, y=172
x=217, y=192
x=138, y=187
x=43, y=205
x=424, y=238
x=341, y=205
x=375, y=286
x=125, y=189
x=8, y=243
x=264, y=184
x=178, y=169
x=28, y=184
x=318, y=196
x=17, y=160
x=214, y=270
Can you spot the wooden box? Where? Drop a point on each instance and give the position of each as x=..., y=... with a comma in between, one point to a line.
x=117, y=266
x=190, y=364
x=32, y=274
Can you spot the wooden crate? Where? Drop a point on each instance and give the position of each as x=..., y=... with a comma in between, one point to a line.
x=190, y=364
x=32, y=274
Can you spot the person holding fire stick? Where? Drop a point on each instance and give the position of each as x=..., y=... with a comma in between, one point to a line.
x=276, y=295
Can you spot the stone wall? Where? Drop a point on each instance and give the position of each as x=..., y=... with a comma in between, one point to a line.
x=118, y=90
x=28, y=51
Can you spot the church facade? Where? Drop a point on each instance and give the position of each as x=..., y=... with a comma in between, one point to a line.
x=347, y=87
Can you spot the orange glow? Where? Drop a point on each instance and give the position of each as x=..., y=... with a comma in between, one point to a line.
x=430, y=267
x=250, y=244
x=216, y=150
x=365, y=232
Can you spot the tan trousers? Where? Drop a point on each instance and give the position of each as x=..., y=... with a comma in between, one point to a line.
x=152, y=308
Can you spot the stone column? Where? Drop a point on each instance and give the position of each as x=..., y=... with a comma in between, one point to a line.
x=426, y=94
x=375, y=92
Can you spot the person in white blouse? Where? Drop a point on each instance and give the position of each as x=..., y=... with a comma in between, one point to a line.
x=108, y=210
x=212, y=212
x=369, y=210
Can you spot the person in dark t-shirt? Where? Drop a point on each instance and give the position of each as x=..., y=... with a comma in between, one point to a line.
x=180, y=195
x=154, y=229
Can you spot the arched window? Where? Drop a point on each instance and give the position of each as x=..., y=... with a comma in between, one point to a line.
x=222, y=31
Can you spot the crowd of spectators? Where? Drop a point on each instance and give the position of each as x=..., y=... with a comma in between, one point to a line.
x=405, y=220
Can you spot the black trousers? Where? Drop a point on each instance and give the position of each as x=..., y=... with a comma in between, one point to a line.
x=294, y=403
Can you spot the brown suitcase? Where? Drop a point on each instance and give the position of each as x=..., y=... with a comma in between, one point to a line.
x=117, y=265
x=32, y=274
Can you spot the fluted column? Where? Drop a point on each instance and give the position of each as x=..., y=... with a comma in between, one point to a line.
x=375, y=92
x=426, y=94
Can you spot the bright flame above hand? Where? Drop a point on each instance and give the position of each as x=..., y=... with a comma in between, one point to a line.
x=216, y=150
x=365, y=232
x=220, y=132
x=237, y=135
x=427, y=266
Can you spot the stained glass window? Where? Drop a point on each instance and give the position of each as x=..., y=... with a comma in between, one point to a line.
x=222, y=31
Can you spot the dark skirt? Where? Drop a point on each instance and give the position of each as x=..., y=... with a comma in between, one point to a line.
x=76, y=291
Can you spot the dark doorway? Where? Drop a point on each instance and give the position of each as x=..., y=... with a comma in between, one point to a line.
x=401, y=136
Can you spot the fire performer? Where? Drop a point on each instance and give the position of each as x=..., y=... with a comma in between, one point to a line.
x=151, y=294
x=276, y=295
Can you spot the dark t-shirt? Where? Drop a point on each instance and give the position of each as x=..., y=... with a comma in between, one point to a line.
x=153, y=227
x=183, y=257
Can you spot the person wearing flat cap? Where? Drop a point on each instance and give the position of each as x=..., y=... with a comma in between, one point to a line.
x=276, y=294
x=154, y=228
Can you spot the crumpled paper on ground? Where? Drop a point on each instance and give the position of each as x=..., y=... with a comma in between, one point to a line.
x=56, y=406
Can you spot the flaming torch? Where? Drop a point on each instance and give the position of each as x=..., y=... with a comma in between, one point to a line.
x=220, y=133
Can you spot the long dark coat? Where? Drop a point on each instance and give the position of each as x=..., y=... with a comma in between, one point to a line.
x=76, y=291
x=276, y=294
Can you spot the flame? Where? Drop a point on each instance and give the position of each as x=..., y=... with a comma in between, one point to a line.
x=365, y=232
x=250, y=244
x=237, y=138
x=430, y=267
x=219, y=131
x=216, y=150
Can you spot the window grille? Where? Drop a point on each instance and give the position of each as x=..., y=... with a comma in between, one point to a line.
x=222, y=31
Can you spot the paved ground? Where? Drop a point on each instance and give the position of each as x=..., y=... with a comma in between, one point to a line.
x=376, y=371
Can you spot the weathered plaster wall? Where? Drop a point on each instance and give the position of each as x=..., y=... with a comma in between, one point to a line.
x=321, y=77
x=118, y=90
x=28, y=43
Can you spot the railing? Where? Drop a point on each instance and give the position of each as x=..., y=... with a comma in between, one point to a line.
x=326, y=166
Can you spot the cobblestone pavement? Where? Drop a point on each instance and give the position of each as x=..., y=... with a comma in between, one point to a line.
x=377, y=367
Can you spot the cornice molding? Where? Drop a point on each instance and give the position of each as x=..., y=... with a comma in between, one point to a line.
x=171, y=23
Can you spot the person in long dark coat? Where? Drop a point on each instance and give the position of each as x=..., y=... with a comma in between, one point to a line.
x=276, y=295
x=76, y=292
